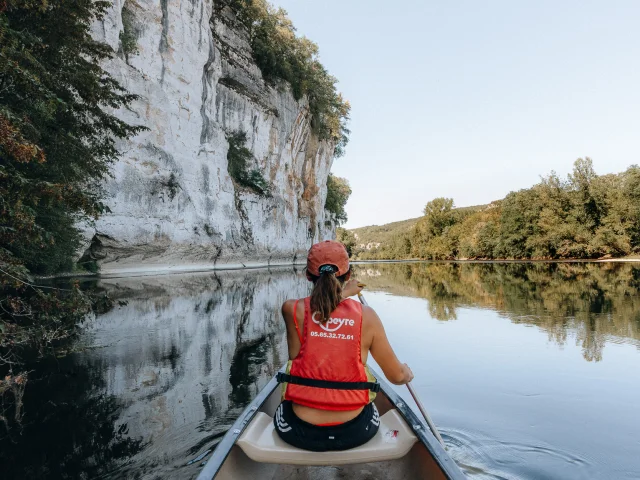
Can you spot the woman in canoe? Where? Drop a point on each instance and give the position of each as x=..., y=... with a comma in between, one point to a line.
x=328, y=394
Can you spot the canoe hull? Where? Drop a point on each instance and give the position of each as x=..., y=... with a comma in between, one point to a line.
x=238, y=465
x=426, y=459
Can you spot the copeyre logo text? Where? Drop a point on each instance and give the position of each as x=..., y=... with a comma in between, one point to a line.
x=333, y=324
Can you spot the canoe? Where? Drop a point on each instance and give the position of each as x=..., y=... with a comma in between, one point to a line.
x=403, y=448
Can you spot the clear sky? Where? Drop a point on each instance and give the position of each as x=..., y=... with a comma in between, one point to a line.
x=472, y=99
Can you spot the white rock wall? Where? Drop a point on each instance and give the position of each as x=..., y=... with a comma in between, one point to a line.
x=173, y=203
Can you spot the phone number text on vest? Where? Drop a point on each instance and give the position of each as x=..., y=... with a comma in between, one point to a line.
x=339, y=336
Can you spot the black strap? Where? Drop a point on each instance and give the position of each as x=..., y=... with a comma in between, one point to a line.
x=311, y=382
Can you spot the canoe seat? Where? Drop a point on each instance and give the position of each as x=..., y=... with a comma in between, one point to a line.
x=261, y=443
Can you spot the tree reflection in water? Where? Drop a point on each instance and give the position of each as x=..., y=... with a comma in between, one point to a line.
x=69, y=431
x=246, y=368
x=597, y=301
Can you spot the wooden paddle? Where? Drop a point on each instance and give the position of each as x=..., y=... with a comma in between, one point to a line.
x=423, y=410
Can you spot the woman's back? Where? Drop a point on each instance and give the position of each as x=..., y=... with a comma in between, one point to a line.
x=328, y=391
x=334, y=347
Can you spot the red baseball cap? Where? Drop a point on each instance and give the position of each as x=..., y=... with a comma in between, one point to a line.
x=328, y=252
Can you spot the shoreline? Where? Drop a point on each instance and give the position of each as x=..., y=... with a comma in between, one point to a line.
x=462, y=260
x=157, y=270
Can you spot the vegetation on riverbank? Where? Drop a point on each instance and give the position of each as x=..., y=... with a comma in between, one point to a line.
x=584, y=216
x=57, y=141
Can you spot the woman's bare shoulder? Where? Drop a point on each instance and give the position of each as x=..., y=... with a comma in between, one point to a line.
x=288, y=306
x=369, y=313
x=370, y=319
x=289, y=303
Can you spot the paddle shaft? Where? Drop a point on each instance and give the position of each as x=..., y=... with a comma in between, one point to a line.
x=425, y=414
x=423, y=410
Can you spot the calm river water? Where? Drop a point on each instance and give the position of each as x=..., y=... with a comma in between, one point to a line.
x=531, y=371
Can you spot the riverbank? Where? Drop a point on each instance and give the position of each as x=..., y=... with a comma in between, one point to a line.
x=632, y=258
x=154, y=270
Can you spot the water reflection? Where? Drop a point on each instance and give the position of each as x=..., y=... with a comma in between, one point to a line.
x=71, y=427
x=166, y=373
x=599, y=302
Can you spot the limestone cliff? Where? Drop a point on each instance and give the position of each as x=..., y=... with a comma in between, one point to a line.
x=173, y=203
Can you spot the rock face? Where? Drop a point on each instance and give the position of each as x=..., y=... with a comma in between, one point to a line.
x=173, y=203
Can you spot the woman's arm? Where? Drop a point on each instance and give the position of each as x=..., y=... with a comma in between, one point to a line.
x=293, y=340
x=351, y=287
x=396, y=372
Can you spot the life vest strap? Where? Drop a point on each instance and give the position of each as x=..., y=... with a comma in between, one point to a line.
x=311, y=382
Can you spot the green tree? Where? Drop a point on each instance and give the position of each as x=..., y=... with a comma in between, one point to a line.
x=479, y=234
x=429, y=238
x=631, y=189
x=614, y=233
x=559, y=232
x=438, y=215
x=347, y=238
x=399, y=248
x=57, y=135
x=518, y=222
x=581, y=180
x=57, y=142
x=338, y=193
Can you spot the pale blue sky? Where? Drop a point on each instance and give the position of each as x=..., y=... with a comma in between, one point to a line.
x=471, y=99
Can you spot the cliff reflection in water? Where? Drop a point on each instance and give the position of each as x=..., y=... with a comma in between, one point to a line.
x=597, y=301
x=171, y=367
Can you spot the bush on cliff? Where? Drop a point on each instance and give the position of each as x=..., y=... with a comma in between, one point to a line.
x=238, y=159
x=280, y=54
x=338, y=192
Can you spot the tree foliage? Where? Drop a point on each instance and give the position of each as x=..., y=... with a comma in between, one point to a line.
x=281, y=54
x=338, y=193
x=347, y=238
x=57, y=141
x=57, y=136
x=584, y=216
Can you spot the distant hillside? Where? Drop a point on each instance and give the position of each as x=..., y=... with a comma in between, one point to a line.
x=381, y=234
x=374, y=236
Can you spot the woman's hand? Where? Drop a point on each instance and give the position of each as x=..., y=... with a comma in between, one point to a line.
x=405, y=375
x=351, y=288
x=408, y=374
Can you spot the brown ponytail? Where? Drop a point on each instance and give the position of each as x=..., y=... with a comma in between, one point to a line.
x=326, y=294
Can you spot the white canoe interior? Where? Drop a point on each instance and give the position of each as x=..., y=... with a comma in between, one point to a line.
x=394, y=453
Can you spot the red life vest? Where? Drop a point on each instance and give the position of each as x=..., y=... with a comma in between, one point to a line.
x=331, y=352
